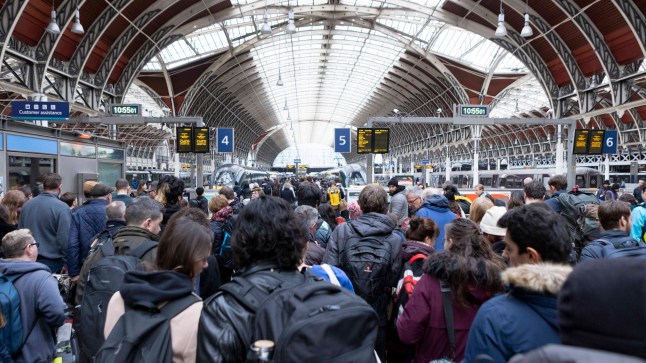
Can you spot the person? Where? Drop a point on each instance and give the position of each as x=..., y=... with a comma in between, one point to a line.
x=637, y=192
x=42, y=308
x=420, y=237
x=181, y=256
x=200, y=201
x=491, y=232
x=122, y=191
x=615, y=190
x=479, y=207
x=638, y=228
x=605, y=192
x=326, y=213
x=287, y=193
x=152, y=189
x=5, y=226
x=479, y=190
x=14, y=200
x=142, y=189
x=26, y=189
x=334, y=196
x=373, y=201
x=309, y=216
x=414, y=199
x=472, y=271
x=534, y=192
x=354, y=210
x=527, y=180
x=537, y=247
x=616, y=221
x=436, y=207
x=170, y=193
x=221, y=212
x=234, y=202
x=49, y=221
x=69, y=198
x=516, y=199
x=558, y=186
x=464, y=202
x=86, y=223
x=398, y=204
x=310, y=194
x=454, y=206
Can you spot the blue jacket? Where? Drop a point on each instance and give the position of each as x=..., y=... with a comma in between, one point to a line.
x=87, y=222
x=41, y=306
x=553, y=202
x=437, y=208
x=48, y=219
x=618, y=239
x=639, y=220
x=522, y=319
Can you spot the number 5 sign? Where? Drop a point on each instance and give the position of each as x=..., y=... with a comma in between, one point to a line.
x=225, y=140
x=342, y=141
x=610, y=142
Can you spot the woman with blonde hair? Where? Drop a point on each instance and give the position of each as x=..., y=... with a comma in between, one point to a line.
x=479, y=207
x=14, y=200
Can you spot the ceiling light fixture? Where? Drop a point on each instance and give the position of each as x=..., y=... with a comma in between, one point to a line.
x=52, y=27
x=265, y=28
x=280, y=79
x=285, y=108
x=291, y=27
x=501, y=31
x=527, y=30
x=77, y=27
x=289, y=118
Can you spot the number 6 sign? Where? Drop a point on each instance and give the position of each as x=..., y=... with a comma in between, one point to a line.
x=610, y=142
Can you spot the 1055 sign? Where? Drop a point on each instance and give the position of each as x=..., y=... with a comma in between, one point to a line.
x=125, y=110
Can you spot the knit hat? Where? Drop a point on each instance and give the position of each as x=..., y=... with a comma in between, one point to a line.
x=489, y=223
x=601, y=306
x=355, y=210
x=393, y=182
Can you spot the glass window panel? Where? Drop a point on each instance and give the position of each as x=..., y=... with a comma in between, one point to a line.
x=110, y=172
x=110, y=153
x=78, y=150
x=25, y=170
x=31, y=144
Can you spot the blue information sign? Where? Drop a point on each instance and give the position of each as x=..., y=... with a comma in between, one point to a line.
x=610, y=142
x=225, y=140
x=342, y=141
x=31, y=110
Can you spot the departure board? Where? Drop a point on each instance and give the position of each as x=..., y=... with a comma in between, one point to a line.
x=184, y=138
x=380, y=137
x=201, y=139
x=364, y=141
x=595, y=142
x=581, y=141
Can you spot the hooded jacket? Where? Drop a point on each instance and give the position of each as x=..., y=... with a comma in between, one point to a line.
x=369, y=224
x=522, y=319
x=618, y=239
x=399, y=204
x=87, y=222
x=41, y=306
x=154, y=289
x=437, y=208
x=423, y=323
x=411, y=248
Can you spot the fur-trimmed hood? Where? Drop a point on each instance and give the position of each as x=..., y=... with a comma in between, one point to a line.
x=542, y=278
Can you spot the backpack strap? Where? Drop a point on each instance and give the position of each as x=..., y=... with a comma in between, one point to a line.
x=140, y=251
x=419, y=256
x=107, y=248
x=448, y=315
x=171, y=309
x=246, y=293
x=330, y=274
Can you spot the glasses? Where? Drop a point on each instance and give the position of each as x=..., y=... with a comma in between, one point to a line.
x=410, y=202
x=32, y=244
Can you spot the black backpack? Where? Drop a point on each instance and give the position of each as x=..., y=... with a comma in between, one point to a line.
x=103, y=280
x=225, y=253
x=200, y=202
x=582, y=227
x=143, y=334
x=367, y=260
x=310, y=320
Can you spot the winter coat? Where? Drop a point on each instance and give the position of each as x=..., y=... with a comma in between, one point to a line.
x=411, y=248
x=169, y=210
x=639, y=221
x=437, y=208
x=155, y=289
x=554, y=203
x=618, y=239
x=39, y=299
x=423, y=322
x=288, y=194
x=555, y=353
x=369, y=224
x=49, y=221
x=522, y=319
x=125, y=198
x=226, y=327
x=399, y=204
x=87, y=222
x=323, y=233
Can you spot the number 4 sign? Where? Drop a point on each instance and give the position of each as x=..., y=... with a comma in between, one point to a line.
x=225, y=140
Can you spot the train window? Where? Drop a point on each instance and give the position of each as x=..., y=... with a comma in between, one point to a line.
x=23, y=170
x=486, y=182
x=580, y=181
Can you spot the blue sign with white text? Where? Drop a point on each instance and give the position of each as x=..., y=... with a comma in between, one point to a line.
x=609, y=142
x=342, y=141
x=32, y=110
x=225, y=140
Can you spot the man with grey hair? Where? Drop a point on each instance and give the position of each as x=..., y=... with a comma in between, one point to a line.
x=436, y=207
x=414, y=198
x=41, y=306
x=310, y=216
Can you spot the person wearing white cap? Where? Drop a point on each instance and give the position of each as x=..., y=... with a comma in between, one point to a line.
x=493, y=234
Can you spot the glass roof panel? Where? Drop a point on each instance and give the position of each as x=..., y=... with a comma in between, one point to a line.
x=312, y=155
x=521, y=97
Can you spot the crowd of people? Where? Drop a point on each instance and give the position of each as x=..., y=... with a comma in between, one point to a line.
x=400, y=275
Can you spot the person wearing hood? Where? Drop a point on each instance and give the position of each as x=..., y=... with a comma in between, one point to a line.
x=436, y=207
x=537, y=246
x=398, y=204
x=42, y=310
x=181, y=256
x=472, y=271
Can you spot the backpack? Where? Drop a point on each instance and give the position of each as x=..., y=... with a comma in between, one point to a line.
x=199, y=202
x=226, y=253
x=11, y=335
x=301, y=315
x=637, y=251
x=580, y=224
x=143, y=334
x=367, y=261
x=103, y=280
x=335, y=197
x=412, y=272
x=267, y=188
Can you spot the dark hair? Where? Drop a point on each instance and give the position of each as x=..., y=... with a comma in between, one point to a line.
x=419, y=228
x=26, y=189
x=448, y=187
x=558, y=181
x=187, y=238
x=68, y=198
x=628, y=198
x=175, y=188
x=535, y=190
x=267, y=230
x=199, y=191
x=4, y=214
x=537, y=226
x=50, y=180
x=327, y=214
x=454, y=206
x=121, y=184
x=142, y=208
x=642, y=187
x=309, y=194
x=373, y=198
x=516, y=199
x=227, y=192
x=611, y=211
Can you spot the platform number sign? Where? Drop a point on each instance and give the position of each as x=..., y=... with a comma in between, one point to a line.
x=342, y=140
x=610, y=142
x=225, y=140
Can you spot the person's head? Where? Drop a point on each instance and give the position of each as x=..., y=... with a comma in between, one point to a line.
x=527, y=180
x=51, y=182
x=643, y=190
x=557, y=183
x=423, y=230
x=392, y=185
x=26, y=189
x=68, y=198
x=606, y=184
x=218, y=203
x=102, y=191
x=186, y=243
x=534, y=192
x=199, y=191
x=535, y=234
x=308, y=194
x=256, y=192
x=616, y=187
x=373, y=198
x=152, y=189
x=478, y=208
x=87, y=188
x=327, y=214
x=489, y=224
x=122, y=186
x=628, y=198
x=116, y=210
x=173, y=189
x=309, y=216
x=463, y=237
x=479, y=189
x=267, y=230
x=227, y=192
x=615, y=215
x=332, y=183
x=448, y=187
x=20, y=245
x=14, y=200
x=146, y=213
x=354, y=210
x=143, y=185
x=414, y=198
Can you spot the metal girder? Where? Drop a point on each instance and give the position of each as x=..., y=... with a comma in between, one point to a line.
x=635, y=19
x=9, y=15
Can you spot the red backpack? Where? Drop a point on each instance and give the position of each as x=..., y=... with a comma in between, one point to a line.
x=412, y=272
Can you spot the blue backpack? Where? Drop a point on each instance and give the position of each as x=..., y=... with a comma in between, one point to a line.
x=11, y=335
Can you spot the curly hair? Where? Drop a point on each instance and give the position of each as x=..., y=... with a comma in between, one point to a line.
x=267, y=230
x=171, y=188
x=420, y=228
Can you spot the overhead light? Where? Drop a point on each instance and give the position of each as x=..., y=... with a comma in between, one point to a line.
x=82, y=135
x=285, y=108
x=501, y=31
x=395, y=110
x=52, y=27
x=291, y=28
x=280, y=79
x=289, y=118
x=265, y=28
x=77, y=27
x=527, y=30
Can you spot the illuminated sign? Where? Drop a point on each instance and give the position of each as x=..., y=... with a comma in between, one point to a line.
x=473, y=111
x=581, y=141
x=364, y=141
x=373, y=140
x=595, y=142
x=125, y=110
x=33, y=110
x=184, y=139
x=201, y=140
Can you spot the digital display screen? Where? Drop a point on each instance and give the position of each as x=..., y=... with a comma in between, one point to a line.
x=581, y=141
x=201, y=139
x=184, y=138
x=125, y=110
x=364, y=141
x=595, y=142
x=381, y=138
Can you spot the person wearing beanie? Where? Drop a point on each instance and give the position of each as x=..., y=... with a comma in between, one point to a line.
x=605, y=193
x=537, y=247
x=398, y=204
x=492, y=233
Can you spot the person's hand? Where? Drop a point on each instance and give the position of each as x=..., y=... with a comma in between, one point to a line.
x=73, y=279
x=64, y=270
